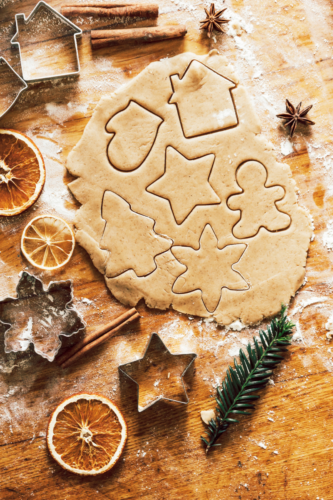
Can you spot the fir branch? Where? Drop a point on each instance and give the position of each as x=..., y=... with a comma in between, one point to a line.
x=235, y=395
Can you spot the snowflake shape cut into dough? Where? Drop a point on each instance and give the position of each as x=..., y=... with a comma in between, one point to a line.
x=209, y=269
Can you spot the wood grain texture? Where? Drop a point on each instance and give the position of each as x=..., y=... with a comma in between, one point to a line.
x=284, y=50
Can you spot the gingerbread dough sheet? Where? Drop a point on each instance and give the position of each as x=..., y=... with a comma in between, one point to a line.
x=183, y=201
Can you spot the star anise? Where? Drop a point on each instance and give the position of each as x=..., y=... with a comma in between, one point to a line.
x=213, y=20
x=295, y=115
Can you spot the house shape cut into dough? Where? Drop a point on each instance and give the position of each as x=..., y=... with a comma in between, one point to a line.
x=203, y=99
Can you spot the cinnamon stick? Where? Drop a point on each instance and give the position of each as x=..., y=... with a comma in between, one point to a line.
x=98, y=341
x=97, y=333
x=145, y=11
x=134, y=36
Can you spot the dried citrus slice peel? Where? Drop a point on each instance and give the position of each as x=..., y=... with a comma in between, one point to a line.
x=48, y=242
x=22, y=172
x=86, y=434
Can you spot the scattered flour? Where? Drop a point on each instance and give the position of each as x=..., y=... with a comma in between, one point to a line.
x=286, y=147
x=262, y=445
x=328, y=236
x=25, y=337
x=5, y=2
x=328, y=163
x=298, y=337
x=236, y=326
x=237, y=24
x=222, y=115
x=308, y=302
x=249, y=56
x=86, y=301
x=62, y=112
x=103, y=64
x=329, y=328
x=234, y=351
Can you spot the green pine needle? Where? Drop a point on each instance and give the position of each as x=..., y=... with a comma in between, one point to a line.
x=235, y=396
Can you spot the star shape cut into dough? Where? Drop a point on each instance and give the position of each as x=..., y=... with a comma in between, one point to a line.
x=185, y=183
x=159, y=374
x=209, y=269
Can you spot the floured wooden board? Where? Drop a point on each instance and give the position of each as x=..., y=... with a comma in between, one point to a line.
x=183, y=201
x=284, y=450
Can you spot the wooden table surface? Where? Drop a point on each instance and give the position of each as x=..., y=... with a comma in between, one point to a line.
x=284, y=451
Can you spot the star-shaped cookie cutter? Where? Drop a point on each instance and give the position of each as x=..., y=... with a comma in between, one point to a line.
x=155, y=344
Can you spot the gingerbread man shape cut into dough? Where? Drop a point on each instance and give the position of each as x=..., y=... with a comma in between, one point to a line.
x=209, y=269
x=130, y=237
x=257, y=202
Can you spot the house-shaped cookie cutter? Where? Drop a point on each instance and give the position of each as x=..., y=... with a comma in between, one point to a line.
x=24, y=86
x=161, y=347
x=20, y=18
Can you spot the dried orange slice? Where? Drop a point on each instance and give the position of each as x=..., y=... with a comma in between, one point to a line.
x=86, y=434
x=22, y=172
x=48, y=242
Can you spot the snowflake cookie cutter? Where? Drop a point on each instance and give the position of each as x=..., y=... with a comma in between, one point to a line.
x=24, y=86
x=21, y=20
x=156, y=348
x=39, y=316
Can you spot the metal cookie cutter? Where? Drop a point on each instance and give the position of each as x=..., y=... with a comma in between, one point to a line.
x=151, y=370
x=21, y=20
x=19, y=79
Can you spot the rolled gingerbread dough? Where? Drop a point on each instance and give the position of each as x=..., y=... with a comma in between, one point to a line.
x=183, y=202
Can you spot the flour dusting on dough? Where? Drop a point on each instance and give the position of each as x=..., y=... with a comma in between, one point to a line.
x=251, y=260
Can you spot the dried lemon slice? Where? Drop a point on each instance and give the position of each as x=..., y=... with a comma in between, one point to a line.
x=22, y=172
x=87, y=434
x=48, y=242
